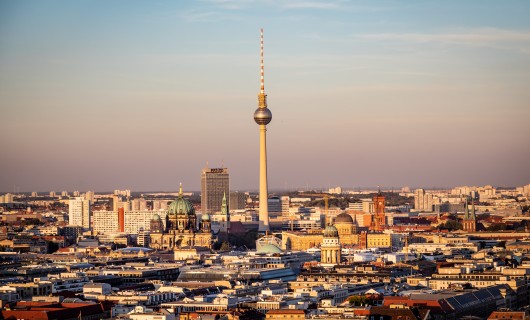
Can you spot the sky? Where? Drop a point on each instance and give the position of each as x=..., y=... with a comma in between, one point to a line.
x=141, y=95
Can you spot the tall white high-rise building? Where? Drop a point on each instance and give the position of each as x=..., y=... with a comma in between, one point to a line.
x=336, y=190
x=286, y=203
x=357, y=206
x=7, y=198
x=423, y=201
x=117, y=203
x=160, y=205
x=368, y=205
x=125, y=193
x=89, y=195
x=526, y=190
x=139, y=204
x=79, y=212
x=136, y=220
x=107, y=222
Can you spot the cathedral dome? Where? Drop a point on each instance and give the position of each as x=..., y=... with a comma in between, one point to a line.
x=181, y=206
x=205, y=217
x=331, y=231
x=344, y=218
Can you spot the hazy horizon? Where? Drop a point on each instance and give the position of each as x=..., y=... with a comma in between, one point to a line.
x=98, y=95
x=256, y=191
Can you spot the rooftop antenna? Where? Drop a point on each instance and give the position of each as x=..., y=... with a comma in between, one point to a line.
x=262, y=66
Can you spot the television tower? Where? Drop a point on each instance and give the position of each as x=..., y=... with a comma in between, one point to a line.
x=263, y=117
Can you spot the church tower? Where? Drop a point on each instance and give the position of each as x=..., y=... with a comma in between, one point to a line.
x=378, y=221
x=225, y=213
x=330, y=250
x=469, y=223
x=206, y=225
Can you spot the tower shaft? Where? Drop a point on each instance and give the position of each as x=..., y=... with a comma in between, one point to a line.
x=262, y=116
x=263, y=187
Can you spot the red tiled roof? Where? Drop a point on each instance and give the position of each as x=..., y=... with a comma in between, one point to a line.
x=286, y=311
x=394, y=313
x=433, y=305
x=46, y=310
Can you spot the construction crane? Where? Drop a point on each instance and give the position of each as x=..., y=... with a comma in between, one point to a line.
x=325, y=197
x=407, y=248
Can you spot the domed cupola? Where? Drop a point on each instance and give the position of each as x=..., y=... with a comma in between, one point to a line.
x=181, y=206
x=206, y=225
x=331, y=232
x=344, y=218
x=181, y=215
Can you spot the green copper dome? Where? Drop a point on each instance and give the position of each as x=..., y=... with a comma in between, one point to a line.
x=268, y=248
x=331, y=231
x=181, y=206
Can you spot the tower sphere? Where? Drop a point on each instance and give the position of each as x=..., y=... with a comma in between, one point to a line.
x=262, y=116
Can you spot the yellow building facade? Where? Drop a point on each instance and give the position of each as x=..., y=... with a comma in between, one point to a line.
x=378, y=240
x=300, y=241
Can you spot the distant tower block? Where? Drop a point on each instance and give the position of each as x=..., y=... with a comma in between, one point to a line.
x=262, y=116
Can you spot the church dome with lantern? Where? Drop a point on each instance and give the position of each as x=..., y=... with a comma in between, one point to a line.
x=181, y=206
x=331, y=232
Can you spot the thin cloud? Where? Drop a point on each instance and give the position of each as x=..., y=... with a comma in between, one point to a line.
x=475, y=37
x=230, y=4
x=310, y=5
x=201, y=16
x=330, y=5
x=300, y=4
x=292, y=5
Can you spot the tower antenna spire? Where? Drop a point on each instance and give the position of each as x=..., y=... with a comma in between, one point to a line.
x=262, y=65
